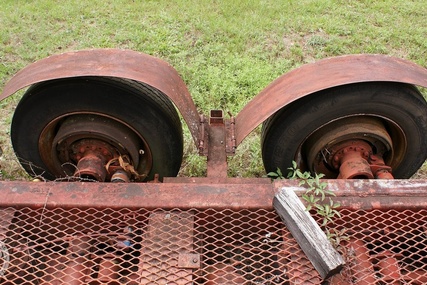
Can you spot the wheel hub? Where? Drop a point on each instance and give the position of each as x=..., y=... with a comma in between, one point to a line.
x=90, y=145
x=91, y=157
x=344, y=147
x=352, y=159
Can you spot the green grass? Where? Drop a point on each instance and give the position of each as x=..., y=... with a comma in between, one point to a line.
x=226, y=51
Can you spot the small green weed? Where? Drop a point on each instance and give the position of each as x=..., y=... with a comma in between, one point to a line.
x=318, y=198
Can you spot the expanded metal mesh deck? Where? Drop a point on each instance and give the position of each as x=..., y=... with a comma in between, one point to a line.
x=93, y=246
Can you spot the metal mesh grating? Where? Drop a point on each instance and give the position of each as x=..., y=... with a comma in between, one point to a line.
x=106, y=246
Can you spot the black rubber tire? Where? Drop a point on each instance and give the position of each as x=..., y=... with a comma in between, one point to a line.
x=147, y=110
x=286, y=130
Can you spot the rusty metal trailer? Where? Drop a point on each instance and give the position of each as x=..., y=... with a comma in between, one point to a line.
x=110, y=116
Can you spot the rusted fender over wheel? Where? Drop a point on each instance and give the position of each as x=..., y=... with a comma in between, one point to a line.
x=125, y=64
x=322, y=75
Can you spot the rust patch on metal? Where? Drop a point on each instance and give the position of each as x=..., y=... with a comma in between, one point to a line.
x=189, y=260
x=168, y=233
x=217, y=157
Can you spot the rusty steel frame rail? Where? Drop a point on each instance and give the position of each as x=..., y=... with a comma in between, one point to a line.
x=206, y=193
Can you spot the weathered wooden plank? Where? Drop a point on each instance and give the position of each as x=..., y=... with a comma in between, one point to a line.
x=310, y=237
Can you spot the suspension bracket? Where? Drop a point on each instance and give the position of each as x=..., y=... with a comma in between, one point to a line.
x=217, y=119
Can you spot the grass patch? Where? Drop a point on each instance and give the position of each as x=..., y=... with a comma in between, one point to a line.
x=226, y=51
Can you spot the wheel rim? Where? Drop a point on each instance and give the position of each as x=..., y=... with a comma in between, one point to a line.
x=89, y=145
x=371, y=134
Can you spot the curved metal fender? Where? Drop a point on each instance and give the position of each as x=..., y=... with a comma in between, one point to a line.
x=115, y=63
x=321, y=75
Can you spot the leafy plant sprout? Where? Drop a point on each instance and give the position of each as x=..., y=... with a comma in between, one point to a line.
x=318, y=198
